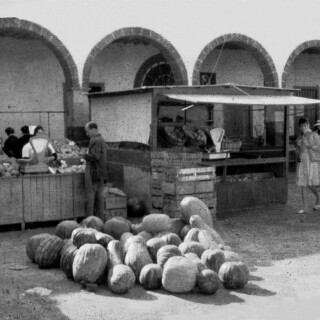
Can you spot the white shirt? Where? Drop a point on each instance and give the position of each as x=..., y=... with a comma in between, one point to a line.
x=39, y=145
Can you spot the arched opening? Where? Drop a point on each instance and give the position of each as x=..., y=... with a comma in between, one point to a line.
x=38, y=76
x=238, y=59
x=302, y=71
x=119, y=61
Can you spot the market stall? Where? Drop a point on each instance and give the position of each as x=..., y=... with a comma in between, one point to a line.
x=173, y=125
x=35, y=197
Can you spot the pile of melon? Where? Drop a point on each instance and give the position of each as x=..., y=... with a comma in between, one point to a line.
x=179, y=255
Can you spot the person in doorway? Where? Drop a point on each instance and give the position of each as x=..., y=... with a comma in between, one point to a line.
x=40, y=144
x=24, y=139
x=11, y=145
x=308, y=148
x=95, y=173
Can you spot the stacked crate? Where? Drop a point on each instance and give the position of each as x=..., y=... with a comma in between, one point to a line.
x=179, y=182
x=115, y=205
x=160, y=160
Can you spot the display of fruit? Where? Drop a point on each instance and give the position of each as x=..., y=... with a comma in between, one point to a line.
x=9, y=169
x=152, y=259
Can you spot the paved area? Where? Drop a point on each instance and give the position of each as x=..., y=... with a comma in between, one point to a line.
x=283, y=255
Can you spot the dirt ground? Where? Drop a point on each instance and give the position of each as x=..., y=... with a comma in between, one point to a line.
x=283, y=255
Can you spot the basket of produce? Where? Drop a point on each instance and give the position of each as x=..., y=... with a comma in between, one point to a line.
x=196, y=137
x=231, y=145
x=174, y=136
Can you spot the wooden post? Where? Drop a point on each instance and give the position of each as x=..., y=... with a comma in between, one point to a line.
x=286, y=139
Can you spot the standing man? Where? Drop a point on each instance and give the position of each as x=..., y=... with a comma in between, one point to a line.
x=96, y=172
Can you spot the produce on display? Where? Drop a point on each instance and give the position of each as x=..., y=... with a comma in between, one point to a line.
x=89, y=263
x=136, y=228
x=68, y=253
x=197, y=222
x=179, y=275
x=190, y=206
x=137, y=255
x=121, y=279
x=156, y=222
x=214, y=259
x=64, y=228
x=116, y=227
x=196, y=260
x=208, y=281
x=192, y=246
x=166, y=252
x=153, y=259
x=234, y=275
x=33, y=244
x=48, y=252
x=192, y=235
x=9, y=169
x=151, y=276
x=145, y=235
x=92, y=222
x=176, y=225
x=171, y=238
x=154, y=245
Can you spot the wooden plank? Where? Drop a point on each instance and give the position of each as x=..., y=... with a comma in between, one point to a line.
x=79, y=195
x=46, y=198
x=67, y=197
x=129, y=157
x=53, y=198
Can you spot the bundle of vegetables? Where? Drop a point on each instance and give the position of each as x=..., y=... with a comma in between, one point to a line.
x=193, y=257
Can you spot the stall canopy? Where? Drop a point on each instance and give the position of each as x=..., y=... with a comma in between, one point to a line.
x=243, y=99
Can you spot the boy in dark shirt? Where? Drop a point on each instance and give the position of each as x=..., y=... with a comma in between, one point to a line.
x=11, y=145
x=24, y=139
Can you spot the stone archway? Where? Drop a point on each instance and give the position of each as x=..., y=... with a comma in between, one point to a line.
x=27, y=30
x=314, y=44
x=262, y=57
x=164, y=46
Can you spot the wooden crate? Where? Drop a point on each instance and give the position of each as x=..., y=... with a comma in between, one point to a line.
x=172, y=174
x=111, y=213
x=174, y=200
x=11, y=200
x=48, y=197
x=187, y=187
x=113, y=201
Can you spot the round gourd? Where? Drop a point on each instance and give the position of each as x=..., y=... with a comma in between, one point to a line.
x=213, y=259
x=115, y=227
x=68, y=253
x=208, y=281
x=196, y=260
x=153, y=246
x=115, y=253
x=184, y=231
x=205, y=238
x=92, y=222
x=48, y=252
x=176, y=225
x=150, y=276
x=179, y=275
x=160, y=234
x=64, y=228
x=33, y=244
x=81, y=236
x=165, y=253
x=231, y=256
x=192, y=235
x=171, y=238
x=193, y=206
x=136, y=228
x=234, y=275
x=123, y=241
x=89, y=263
x=146, y=235
x=156, y=222
x=121, y=279
x=192, y=246
x=137, y=255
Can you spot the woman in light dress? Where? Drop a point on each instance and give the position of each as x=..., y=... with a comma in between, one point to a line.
x=308, y=169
